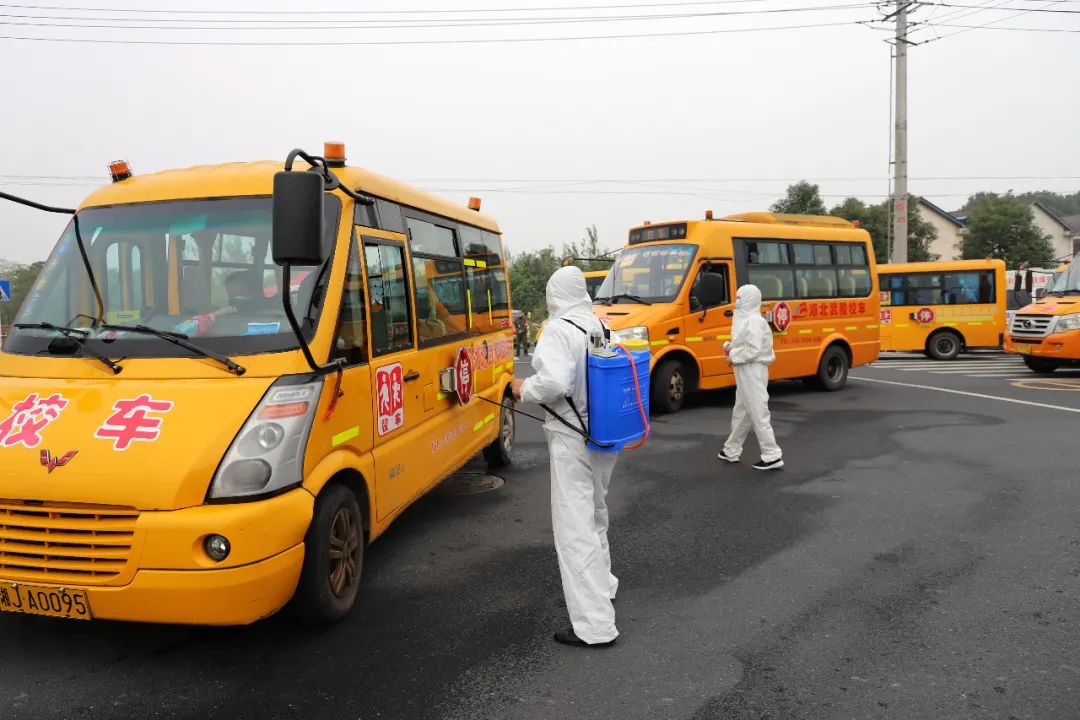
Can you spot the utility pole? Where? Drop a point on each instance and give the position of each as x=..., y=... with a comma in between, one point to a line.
x=900, y=169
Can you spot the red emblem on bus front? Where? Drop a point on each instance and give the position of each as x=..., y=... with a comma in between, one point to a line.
x=463, y=376
x=924, y=316
x=781, y=316
x=51, y=462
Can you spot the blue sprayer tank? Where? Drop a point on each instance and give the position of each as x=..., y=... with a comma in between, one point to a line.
x=614, y=412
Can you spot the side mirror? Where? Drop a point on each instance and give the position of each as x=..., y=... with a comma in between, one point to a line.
x=712, y=290
x=298, y=218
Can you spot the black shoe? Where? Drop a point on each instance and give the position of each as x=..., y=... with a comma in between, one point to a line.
x=726, y=458
x=566, y=636
x=774, y=465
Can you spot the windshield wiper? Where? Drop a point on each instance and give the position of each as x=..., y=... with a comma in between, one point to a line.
x=628, y=296
x=77, y=335
x=182, y=340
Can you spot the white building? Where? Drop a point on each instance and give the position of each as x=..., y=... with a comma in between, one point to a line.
x=950, y=230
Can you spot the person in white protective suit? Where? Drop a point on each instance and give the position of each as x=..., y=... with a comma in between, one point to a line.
x=750, y=353
x=579, y=476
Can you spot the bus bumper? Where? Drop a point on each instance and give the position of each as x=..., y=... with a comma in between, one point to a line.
x=1063, y=347
x=169, y=578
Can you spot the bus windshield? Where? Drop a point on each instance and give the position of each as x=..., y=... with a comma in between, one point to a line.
x=649, y=273
x=200, y=268
x=1065, y=281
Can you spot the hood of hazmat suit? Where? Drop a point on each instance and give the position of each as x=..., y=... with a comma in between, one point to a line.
x=559, y=358
x=751, y=336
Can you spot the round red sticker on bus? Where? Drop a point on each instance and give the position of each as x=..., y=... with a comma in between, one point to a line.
x=463, y=376
x=781, y=316
x=924, y=316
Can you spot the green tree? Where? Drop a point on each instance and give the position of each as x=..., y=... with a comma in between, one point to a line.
x=877, y=219
x=587, y=247
x=1004, y=227
x=529, y=273
x=802, y=198
x=1059, y=203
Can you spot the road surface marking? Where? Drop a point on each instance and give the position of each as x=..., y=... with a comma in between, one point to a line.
x=968, y=394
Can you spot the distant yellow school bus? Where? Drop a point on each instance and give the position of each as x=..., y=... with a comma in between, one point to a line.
x=674, y=285
x=943, y=308
x=177, y=445
x=593, y=280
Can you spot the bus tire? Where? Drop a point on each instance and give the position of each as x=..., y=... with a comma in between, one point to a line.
x=333, y=558
x=1040, y=365
x=832, y=370
x=669, y=385
x=501, y=450
x=944, y=345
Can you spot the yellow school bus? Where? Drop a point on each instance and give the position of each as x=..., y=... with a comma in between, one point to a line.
x=593, y=280
x=183, y=442
x=1046, y=333
x=674, y=285
x=943, y=308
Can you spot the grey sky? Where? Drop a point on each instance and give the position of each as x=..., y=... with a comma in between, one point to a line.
x=711, y=111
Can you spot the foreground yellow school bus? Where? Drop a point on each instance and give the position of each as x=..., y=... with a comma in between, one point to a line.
x=171, y=454
x=943, y=308
x=674, y=284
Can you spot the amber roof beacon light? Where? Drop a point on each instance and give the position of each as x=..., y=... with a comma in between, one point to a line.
x=334, y=153
x=474, y=204
x=119, y=170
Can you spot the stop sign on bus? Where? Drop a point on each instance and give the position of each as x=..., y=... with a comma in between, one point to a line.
x=781, y=316
x=924, y=316
x=463, y=376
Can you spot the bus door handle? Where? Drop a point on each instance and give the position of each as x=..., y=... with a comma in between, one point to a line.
x=673, y=331
x=414, y=375
x=729, y=313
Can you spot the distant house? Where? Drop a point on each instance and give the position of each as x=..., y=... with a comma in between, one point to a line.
x=1063, y=237
x=950, y=230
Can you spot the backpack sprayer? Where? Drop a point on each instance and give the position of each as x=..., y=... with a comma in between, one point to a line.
x=617, y=387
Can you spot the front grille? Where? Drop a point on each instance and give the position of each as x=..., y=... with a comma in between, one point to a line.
x=1031, y=326
x=64, y=543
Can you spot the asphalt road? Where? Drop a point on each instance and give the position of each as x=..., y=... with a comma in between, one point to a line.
x=917, y=558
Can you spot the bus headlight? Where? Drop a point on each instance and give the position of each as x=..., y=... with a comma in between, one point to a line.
x=268, y=453
x=1068, y=322
x=634, y=333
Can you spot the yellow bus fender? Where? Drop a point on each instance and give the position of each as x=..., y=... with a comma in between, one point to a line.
x=680, y=350
x=355, y=470
x=835, y=339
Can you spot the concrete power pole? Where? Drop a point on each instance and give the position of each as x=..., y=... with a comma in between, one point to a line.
x=900, y=168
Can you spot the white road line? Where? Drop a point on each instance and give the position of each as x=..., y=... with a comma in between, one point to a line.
x=968, y=394
x=1010, y=375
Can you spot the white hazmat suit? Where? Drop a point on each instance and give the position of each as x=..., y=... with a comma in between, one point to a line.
x=751, y=353
x=579, y=476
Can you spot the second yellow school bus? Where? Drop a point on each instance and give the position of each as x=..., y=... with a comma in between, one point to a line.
x=674, y=285
x=943, y=308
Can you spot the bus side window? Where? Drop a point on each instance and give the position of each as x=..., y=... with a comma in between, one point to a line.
x=388, y=298
x=350, y=339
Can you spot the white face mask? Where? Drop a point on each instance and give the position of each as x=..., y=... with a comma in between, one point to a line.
x=738, y=304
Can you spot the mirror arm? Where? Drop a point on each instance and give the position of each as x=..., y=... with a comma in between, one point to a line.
x=332, y=181
x=286, y=299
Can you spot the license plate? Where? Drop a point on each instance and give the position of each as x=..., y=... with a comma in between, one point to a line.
x=42, y=600
x=1023, y=349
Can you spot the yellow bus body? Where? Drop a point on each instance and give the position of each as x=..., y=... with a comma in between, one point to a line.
x=827, y=310
x=127, y=528
x=966, y=300
x=1046, y=333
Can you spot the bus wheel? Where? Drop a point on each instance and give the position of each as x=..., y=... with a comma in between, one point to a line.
x=333, y=558
x=669, y=384
x=943, y=345
x=1039, y=365
x=832, y=370
x=501, y=450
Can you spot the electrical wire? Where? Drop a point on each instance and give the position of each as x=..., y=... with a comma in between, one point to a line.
x=987, y=26
x=450, y=41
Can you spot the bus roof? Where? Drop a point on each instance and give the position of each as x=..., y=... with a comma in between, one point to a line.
x=596, y=273
x=941, y=266
x=775, y=226
x=257, y=178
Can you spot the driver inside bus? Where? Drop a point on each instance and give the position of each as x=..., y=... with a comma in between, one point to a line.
x=244, y=291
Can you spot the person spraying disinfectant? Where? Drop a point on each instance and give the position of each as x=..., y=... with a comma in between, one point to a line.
x=750, y=353
x=579, y=475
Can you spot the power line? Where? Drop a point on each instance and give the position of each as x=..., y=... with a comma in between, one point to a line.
x=455, y=41
x=106, y=23
x=1000, y=29
x=436, y=11
x=1005, y=9
x=986, y=26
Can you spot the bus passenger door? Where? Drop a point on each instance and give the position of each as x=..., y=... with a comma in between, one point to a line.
x=396, y=394
x=708, y=326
